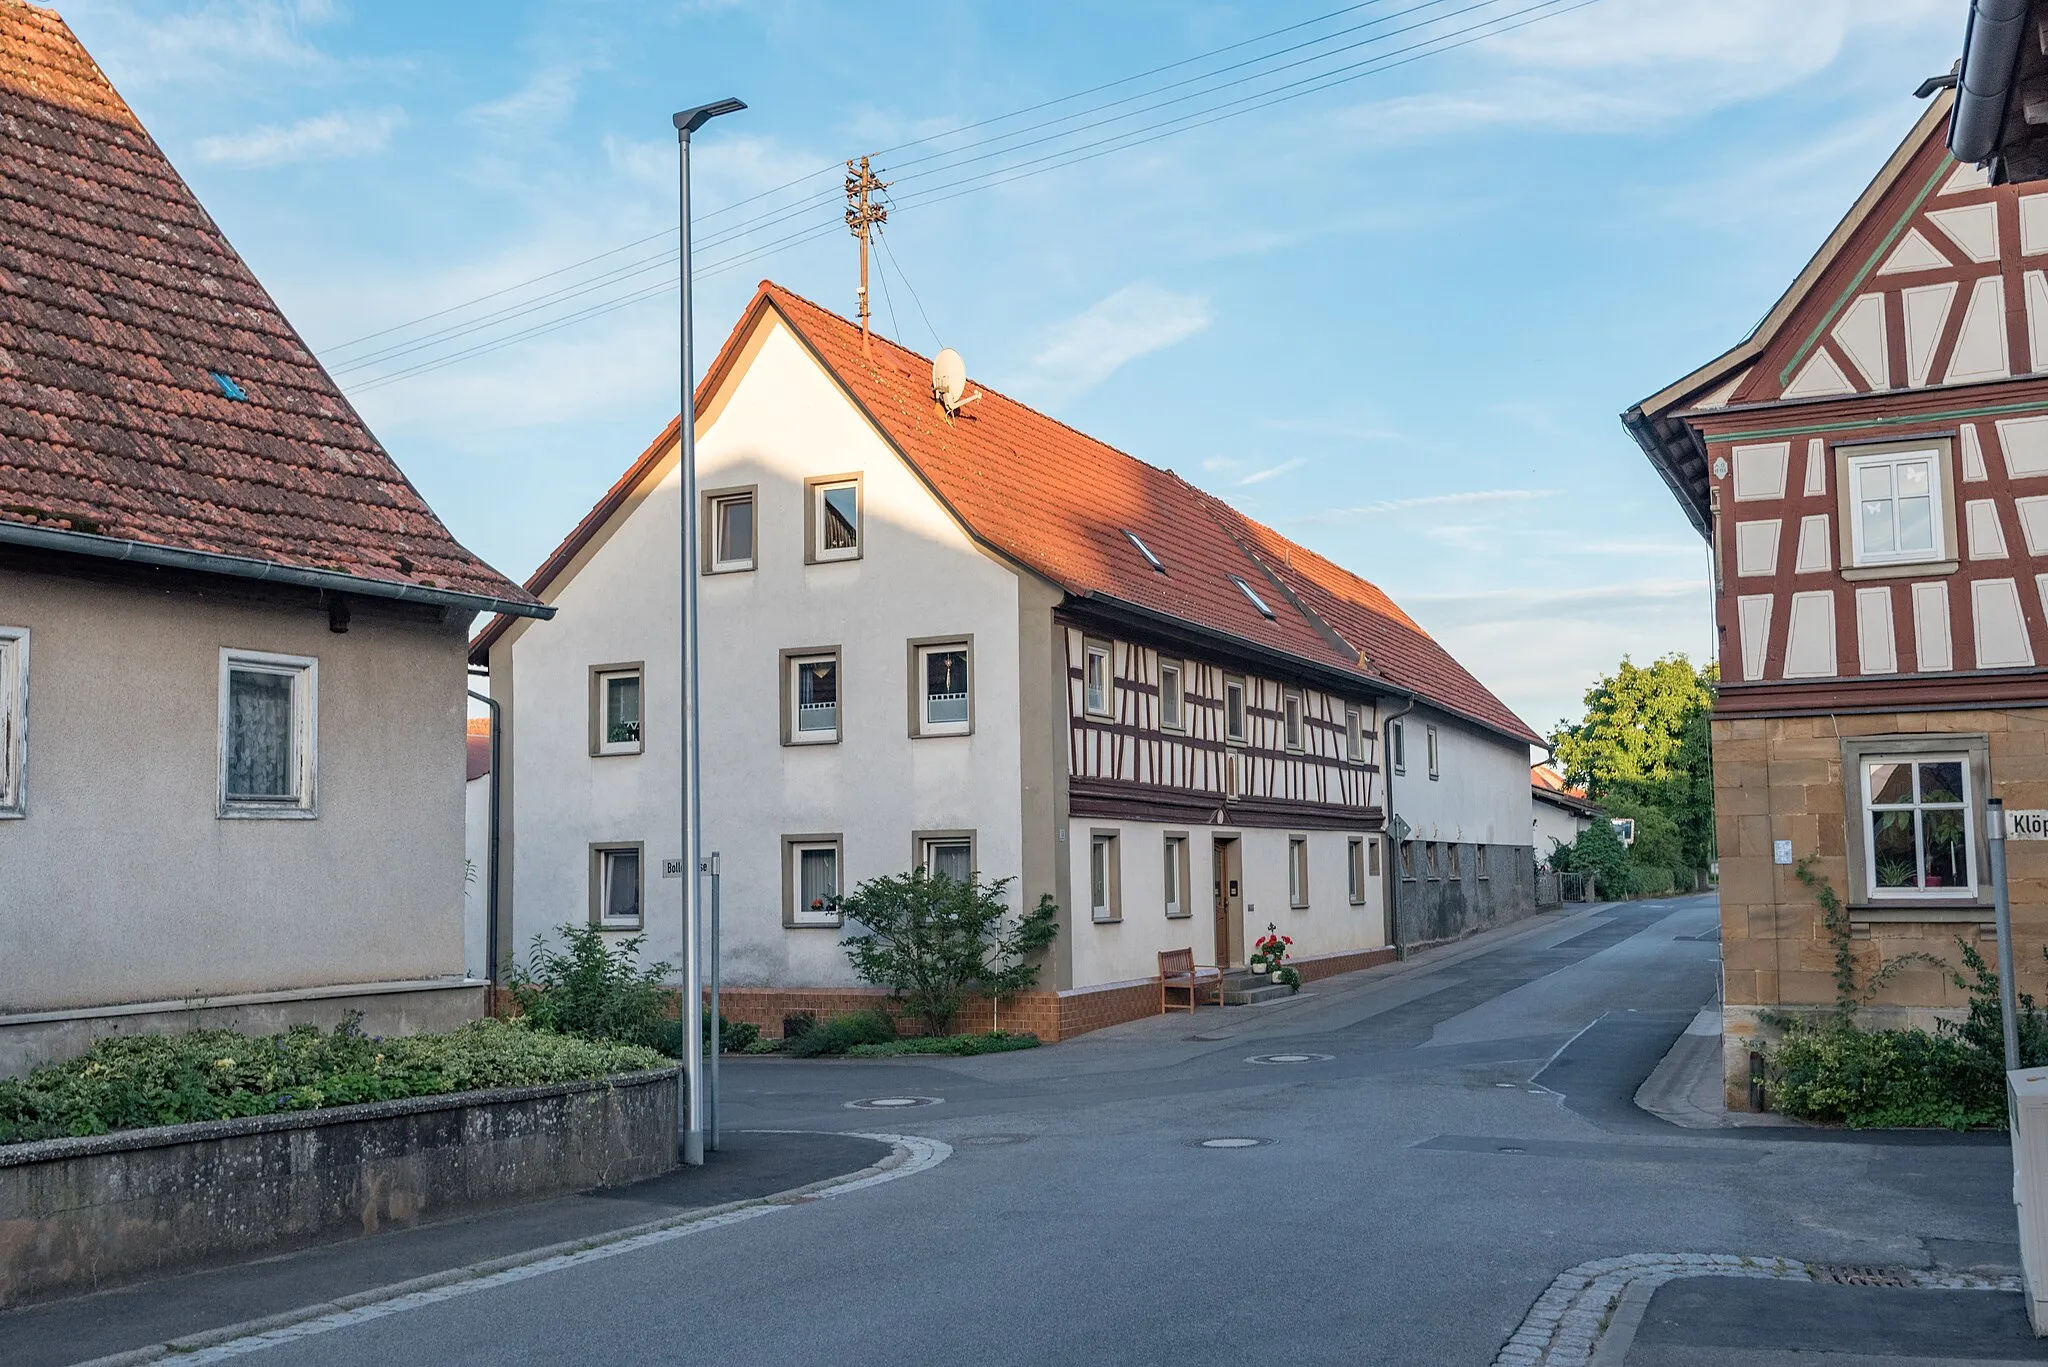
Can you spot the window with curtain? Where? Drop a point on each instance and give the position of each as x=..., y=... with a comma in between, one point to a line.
x=814, y=698
x=815, y=882
x=944, y=682
x=267, y=734
x=732, y=532
x=618, y=886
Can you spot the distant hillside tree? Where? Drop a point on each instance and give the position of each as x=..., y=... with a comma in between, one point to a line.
x=1644, y=742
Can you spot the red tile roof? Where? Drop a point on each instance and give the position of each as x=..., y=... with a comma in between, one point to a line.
x=1059, y=503
x=118, y=299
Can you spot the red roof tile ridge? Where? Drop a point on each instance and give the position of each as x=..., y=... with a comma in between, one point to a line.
x=73, y=81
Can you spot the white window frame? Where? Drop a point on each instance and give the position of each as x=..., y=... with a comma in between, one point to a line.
x=792, y=662
x=715, y=504
x=1105, y=877
x=1932, y=458
x=921, y=714
x=601, y=742
x=1293, y=723
x=794, y=848
x=1241, y=735
x=1435, y=754
x=817, y=552
x=1178, y=903
x=1972, y=819
x=304, y=672
x=929, y=843
x=1098, y=691
x=1233, y=774
x=1251, y=596
x=1354, y=735
x=1397, y=747
x=1354, y=868
x=1177, y=691
x=1297, y=871
x=13, y=722
x=601, y=868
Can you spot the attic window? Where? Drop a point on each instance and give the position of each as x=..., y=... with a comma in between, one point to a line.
x=228, y=387
x=1253, y=598
x=1145, y=551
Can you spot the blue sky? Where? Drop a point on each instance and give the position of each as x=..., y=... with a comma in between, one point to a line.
x=1395, y=318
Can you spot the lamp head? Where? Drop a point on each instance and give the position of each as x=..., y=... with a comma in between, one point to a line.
x=690, y=120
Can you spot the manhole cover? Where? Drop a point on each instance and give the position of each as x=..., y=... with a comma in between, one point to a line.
x=1289, y=1058
x=989, y=1141
x=1233, y=1143
x=891, y=1103
x=1835, y=1275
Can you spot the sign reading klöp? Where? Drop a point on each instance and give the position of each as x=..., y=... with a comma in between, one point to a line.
x=2026, y=825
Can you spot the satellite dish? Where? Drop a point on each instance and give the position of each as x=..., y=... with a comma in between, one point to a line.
x=949, y=379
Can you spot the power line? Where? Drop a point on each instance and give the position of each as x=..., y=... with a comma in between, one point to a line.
x=883, y=238
x=1001, y=175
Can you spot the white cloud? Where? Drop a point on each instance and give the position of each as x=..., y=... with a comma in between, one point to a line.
x=1273, y=471
x=1465, y=498
x=343, y=133
x=209, y=42
x=547, y=97
x=1135, y=321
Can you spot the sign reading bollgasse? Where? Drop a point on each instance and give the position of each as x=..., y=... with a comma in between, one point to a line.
x=2026, y=825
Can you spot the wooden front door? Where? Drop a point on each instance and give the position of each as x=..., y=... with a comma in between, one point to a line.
x=1229, y=901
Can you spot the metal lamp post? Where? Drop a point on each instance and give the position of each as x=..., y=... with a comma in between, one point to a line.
x=688, y=122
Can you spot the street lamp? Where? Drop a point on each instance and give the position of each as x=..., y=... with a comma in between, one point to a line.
x=688, y=122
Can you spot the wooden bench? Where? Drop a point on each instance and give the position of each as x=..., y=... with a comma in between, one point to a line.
x=1178, y=972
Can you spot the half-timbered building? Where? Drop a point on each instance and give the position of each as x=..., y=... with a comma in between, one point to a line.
x=981, y=642
x=1870, y=468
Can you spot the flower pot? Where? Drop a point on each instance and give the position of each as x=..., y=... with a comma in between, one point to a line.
x=1278, y=976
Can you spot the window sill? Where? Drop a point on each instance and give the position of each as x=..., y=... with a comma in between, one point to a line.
x=1105, y=920
x=799, y=743
x=1905, y=569
x=813, y=925
x=620, y=927
x=942, y=735
x=1929, y=912
x=268, y=813
x=1179, y=915
x=618, y=754
x=747, y=568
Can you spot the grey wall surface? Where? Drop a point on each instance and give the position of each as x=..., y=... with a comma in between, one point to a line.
x=123, y=884
x=79, y=1215
x=1438, y=910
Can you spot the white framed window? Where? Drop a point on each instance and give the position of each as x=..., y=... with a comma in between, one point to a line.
x=947, y=854
x=728, y=531
x=1920, y=832
x=1354, y=735
x=1354, y=868
x=1290, y=721
x=942, y=702
x=268, y=734
x=810, y=697
x=1297, y=870
x=1435, y=769
x=13, y=722
x=616, y=886
x=1233, y=711
x=1176, y=876
x=810, y=880
x=1233, y=774
x=1397, y=748
x=615, y=709
x=1252, y=597
x=1896, y=502
x=835, y=518
x=1105, y=876
x=1173, y=696
x=1096, y=679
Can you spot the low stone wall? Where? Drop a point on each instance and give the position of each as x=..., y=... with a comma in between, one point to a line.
x=1437, y=909
x=80, y=1215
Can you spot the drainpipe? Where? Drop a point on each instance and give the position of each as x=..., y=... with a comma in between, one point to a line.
x=491, y=874
x=1394, y=850
x=1991, y=51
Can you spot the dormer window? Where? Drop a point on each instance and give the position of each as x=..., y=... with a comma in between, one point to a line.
x=1252, y=598
x=1145, y=551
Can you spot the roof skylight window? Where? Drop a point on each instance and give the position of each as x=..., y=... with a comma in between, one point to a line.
x=1253, y=598
x=228, y=388
x=1145, y=551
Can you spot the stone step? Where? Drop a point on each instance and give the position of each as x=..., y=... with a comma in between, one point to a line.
x=1254, y=991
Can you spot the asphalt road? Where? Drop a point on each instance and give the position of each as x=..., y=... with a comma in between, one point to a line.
x=1461, y=1133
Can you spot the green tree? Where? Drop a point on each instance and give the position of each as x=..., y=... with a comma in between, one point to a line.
x=1644, y=742
x=931, y=939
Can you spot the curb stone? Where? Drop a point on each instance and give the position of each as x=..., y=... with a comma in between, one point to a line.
x=1564, y=1327
x=909, y=1154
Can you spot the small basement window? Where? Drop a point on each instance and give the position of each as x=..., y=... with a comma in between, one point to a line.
x=1145, y=551
x=1252, y=598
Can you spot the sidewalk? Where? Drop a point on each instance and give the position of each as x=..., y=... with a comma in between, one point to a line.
x=1686, y=1087
x=748, y=1167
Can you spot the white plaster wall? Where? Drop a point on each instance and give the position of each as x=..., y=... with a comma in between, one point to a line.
x=1553, y=823
x=123, y=884
x=476, y=851
x=919, y=576
x=1123, y=950
x=1481, y=794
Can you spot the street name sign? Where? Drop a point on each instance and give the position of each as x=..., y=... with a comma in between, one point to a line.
x=2026, y=825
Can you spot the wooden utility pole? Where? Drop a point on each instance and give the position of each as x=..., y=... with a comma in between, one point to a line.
x=863, y=216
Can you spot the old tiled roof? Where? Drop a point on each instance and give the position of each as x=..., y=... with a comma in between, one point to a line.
x=120, y=301
x=1059, y=502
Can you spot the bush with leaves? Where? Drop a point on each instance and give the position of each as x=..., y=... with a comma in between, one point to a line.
x=931, y=940
x=842, y=1033
x=1598, y=851
x=131, y=1081
x=596, y=989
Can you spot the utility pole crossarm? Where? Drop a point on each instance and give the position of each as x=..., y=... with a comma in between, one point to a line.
x=863, y=216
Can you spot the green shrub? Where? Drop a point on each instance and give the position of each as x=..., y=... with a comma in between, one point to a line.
x=842, y=1033
x=994, y=1042
x=734, y=1037
x=931, y=939
x=763, y=1046
x=1649, y=880
x=140, y=1080
x=1871, y=1079
x=597, y=990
